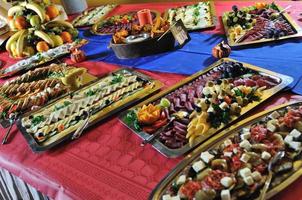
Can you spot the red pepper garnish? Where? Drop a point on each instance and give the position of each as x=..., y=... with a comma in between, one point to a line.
x=260, y=168
x=189, y=189
x=258, y=133
x=236, y=163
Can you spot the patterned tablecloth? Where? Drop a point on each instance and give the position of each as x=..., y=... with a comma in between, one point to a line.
x=107, y=162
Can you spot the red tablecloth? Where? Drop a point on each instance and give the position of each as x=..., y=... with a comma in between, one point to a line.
x=107, y=162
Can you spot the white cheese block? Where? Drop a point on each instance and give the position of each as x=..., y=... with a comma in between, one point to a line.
x=295, y=133
x=288, y=139
x=265, y=155
x=245, y=144
x=225, y=195
x=245, y=158
x=256, y=176
x=295, y=145
x=245, y=136
x=226, y=181
x=235, y=150
x=181, y=180
x=245, y=172
x=210, y=109
x=206, y=156
x=245, y=130
x=228, y=154
x=176, y=197
x=274, y=115
x=198, y=166
x=272, y=128
x=206, y=91
x=227, y=142
x=166, y=197
x=248, y=180
x=223, y=105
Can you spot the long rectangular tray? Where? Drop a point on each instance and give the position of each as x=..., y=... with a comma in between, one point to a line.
x=159, y=190
x=213, y=16
x=86, y=79
x=151, y=87
x=286, y=16
x=285, y=80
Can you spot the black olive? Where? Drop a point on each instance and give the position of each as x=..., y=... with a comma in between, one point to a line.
x=77, y=118
x=207, y=101
x=107, y=101
x=40, y=134
x=235, y=8
x=219, y=81
x=192, y=173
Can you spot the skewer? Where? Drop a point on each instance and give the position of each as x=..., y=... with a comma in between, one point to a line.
x=165, y=32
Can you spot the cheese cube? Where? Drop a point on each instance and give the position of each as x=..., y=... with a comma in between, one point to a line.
x=274, y=115
x=245, y=158
x=227, y=142
x=223, y=105
x=245, y=172
x=198, y=166
x=248, y=180
x=256, y=176
x=176, y=197
x=245, y=130
x=210, y=109
x=228, y=154
x=225, y=195
x=235, y=150
x=245, y=136
x=166, y=197
x=206, y=91
x=217, y=88
x=288, y=139
x=265, y=155
x=272, y=128
x=206, y=156
x=181, y=180
x=295, y=133
x=226, y=181
x=245, y=144
x=295, y=145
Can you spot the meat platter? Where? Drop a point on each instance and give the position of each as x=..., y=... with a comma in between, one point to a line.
x=195, y=17
x=67, y=117
x=38, y=87
x=234, y=163
x=257, y=24
x=201, y=105
x=118, y=23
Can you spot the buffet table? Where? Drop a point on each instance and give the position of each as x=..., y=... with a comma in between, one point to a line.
x=107, y=162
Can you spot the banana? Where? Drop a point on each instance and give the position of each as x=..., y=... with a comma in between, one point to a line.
x=14, y=9
x=36, y=8
x=44, y=36
x=20, y=43
x=12, y=39
x=56, y=23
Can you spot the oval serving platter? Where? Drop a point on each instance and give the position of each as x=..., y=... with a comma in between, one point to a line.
x=285, y=171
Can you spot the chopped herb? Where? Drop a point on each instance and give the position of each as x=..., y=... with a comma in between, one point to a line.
x=238, y=93
x=37, y=120
x=117, y=79
x=90, y=93
x=66, y=103
x=3, y=114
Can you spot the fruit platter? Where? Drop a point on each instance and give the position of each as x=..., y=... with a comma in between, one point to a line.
x=92, y=15
x=67, y=117
x=194, y=17
x=239, y=163
x=180, y=118
x=259, y=23
x=41, y=58
x=118, y=23
x=38, y=29
x=35, y=88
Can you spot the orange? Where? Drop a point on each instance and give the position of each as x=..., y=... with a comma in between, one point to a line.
x=260, y=5
x=20, y=22
x=52, y=11
x=148, y=114
x=42, y=46
x=67, y=37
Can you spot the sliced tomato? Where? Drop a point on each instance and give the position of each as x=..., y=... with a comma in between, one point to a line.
x=236, y=163
x=227, y=99
x=258, y=133
x=189, y=189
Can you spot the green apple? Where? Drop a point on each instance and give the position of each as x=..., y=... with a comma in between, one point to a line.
x=35, y=21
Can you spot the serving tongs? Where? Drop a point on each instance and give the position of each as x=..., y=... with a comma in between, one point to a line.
x=267, y=183
x=12, y=121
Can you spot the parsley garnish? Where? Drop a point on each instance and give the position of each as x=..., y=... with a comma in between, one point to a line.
x=117, y=79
